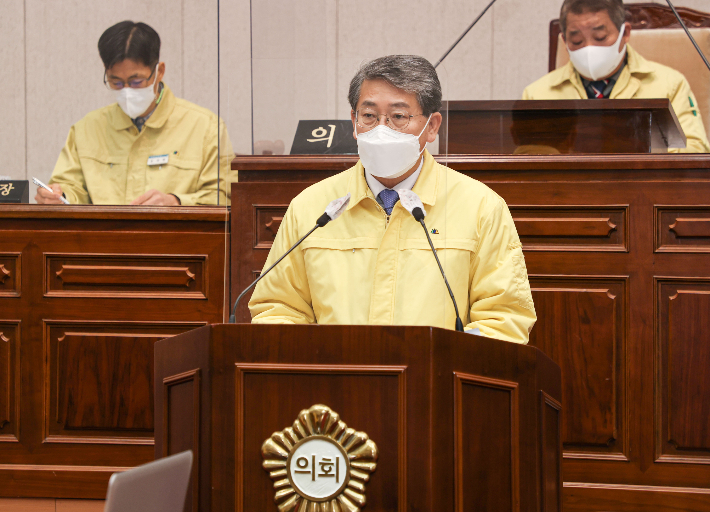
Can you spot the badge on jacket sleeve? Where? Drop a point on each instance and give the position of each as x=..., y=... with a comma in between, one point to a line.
x=157, y=160
x=319, y=463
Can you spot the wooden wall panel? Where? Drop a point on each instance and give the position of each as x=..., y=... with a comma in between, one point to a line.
x=551, y=453
x=377, y=393
x=487, y=473
x=267, y=220
x=92, y=289
x=182, y=399
x=682, y=229
x=100, y=380
x=9, y=380
x=10, y=274
x=583, y=330
x=109, y=275
x=683, y=362
x=586, y=497
x=258, y=212
x=572, y=228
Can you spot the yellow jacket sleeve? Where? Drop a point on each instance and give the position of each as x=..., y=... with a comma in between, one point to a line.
x=68, y=173
x=284, y=296
x=686, y=108
x=501, y=304
x=209, y=181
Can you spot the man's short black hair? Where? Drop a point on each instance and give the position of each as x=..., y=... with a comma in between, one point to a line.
x=129, y=40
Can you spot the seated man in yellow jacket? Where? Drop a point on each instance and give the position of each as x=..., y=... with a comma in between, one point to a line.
x=148, y=148
x=603, y=65
x=373, y=265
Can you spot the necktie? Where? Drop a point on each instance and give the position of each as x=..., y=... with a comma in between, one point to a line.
x=389, y=198
x=597, y=88
x=140, y=122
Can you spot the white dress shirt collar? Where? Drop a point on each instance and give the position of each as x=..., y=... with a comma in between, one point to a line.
x=378, y=187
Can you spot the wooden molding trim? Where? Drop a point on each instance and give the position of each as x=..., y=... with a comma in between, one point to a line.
x=88, y=212
x=193, y=376
x=640, y=488
x=63, y=468
x=511, y=387
x=548, y=401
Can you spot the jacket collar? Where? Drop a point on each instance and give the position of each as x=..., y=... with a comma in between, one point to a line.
x=635, y=65
x=426, y=187
x=120, y=121
x=630, y=78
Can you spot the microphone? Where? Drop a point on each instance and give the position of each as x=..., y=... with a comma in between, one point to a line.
x=464, y=34
x=682, y=24
x=334, y=209
x=411, y=202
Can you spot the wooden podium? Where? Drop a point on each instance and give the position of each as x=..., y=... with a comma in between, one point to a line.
x=461, y=422
x=559, y=126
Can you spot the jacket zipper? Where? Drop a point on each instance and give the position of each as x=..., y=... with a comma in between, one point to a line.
x=387, y=217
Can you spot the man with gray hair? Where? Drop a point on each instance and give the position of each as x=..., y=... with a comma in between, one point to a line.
x=374, y=264
x=604, y=66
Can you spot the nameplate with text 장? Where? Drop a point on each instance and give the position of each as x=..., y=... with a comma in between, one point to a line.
x=15, y=191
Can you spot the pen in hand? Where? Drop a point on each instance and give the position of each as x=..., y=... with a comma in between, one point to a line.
x=42, y=185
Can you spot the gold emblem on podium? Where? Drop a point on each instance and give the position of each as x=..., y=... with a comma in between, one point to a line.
x=319, y=463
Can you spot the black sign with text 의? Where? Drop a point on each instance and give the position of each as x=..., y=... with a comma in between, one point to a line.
x=324, y=138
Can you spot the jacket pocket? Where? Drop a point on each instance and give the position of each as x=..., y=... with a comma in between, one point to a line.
x=104, y=177
x=419, y=276
x=340, y=244
x=102, y=160
x=461, y=244
x=179, y=163
x=340, y=275
x=178, y=176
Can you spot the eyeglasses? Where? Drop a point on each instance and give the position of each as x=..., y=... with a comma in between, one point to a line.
x=397, y=119
x=134, y=83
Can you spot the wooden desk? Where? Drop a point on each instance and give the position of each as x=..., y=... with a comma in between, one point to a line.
x=84, y=294
x=563, y=126
x=618, y=255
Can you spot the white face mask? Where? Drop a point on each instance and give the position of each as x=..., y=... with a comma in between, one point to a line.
x=386, y=153
x=136, y=101
x=597, y=62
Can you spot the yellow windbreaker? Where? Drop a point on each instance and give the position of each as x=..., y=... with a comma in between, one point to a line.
x=640, y=78
x=366, y=268
x=105, y=159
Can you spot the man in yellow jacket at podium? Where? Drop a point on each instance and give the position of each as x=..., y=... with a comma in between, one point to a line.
x=373, y=265
x=603, y=65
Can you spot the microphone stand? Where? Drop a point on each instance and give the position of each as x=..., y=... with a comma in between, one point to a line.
x=418, y=215
x=464, y=34
x=682, y=24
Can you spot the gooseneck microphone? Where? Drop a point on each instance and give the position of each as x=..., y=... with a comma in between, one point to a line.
x=332, y=212
x=411, y=202
x=464, y=33
x=682, y=24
